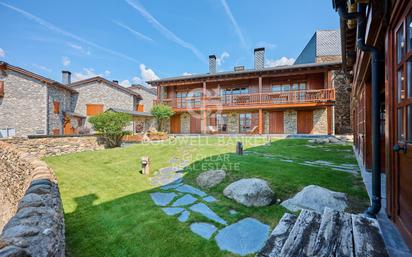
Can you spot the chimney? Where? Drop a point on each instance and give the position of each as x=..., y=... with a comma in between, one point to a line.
x=66, y=77
x=116, y=81
x=212, y=64
x=259, y=58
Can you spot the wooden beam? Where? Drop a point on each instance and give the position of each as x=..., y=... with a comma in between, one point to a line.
x=260, y=122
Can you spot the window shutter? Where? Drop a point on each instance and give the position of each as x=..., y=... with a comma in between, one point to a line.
x=1, y=88
x=94, y=109
x=140, y=108
x=56, y=107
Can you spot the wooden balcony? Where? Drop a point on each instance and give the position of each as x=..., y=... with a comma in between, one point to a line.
x=258, y=100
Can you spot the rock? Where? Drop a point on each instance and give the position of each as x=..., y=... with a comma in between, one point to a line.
x=210, y=178
x=250, y=192
x=316, y=198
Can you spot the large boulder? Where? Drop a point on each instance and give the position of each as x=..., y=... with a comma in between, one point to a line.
x=210, y=178
x=250, y=192
x=316, y=198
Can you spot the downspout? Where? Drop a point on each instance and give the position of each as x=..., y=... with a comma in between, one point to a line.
x=376, y=159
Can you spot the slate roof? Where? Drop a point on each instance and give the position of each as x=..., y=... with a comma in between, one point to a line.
x=149, y=90
x=322, y=43
x=133, y=113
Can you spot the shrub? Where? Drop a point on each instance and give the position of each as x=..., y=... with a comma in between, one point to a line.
x=161, y=112
x=111, y=127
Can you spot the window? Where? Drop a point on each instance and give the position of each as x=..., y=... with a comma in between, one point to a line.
x=221, y=120
x=399, y=45
x=7, y=132
x=235, y=91
x=409, y=123
x=94, y=109
x=245, y=121
x=409, y=79
x=409, y=31
x=401, y=93
x=289, y=87
x=56, y=107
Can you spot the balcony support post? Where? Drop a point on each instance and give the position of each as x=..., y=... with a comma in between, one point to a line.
x=260, y=121
x=203, y=110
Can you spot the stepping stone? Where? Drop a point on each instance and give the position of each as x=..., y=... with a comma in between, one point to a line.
x=172, y=210
x=244, y=237
x=162, y=199
x=185, y=200
x=207, y=212
x=171, y=186
x=345, y=170
x=184, y=216
x=209, y=199
x=191, y=190
x=169, y=170
x=287, y=160
x=204, y=230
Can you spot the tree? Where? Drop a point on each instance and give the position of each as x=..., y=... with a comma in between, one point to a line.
x=111, y=126
x=161, y=112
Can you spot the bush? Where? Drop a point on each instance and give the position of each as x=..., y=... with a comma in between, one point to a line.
x=111, y=127
x=161, y=112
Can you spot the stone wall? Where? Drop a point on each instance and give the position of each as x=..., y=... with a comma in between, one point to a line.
x=233, y=123
x=147, y=97
x=290, y=122
x=328, y=58
x=342, y=104
x=28, y=191
x=24, y=105
x=102, y=93
x=320, y=121
x=40, y=147
x=185, y=123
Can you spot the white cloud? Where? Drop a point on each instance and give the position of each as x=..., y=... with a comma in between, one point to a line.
x=165, y=31
x=134, y=32
x=87, y=73
x=66, y=61
x=2, y=52
x=65, y=33
x=187, y=74
x=41, y=67
x=147, y=74
x=221, y=59
x=125, y=83
x=266, y=45
x=280, y=62
x=107, y=73
x=235, y=24
x=78, y=48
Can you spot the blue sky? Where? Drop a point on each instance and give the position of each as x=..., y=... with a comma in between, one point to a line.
x=136, y=40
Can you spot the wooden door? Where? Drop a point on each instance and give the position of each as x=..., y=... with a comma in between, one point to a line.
x=305, y=122
x=195, y=125
x=402, y=110
x=175, y=124
x=68, y=129
x=276, y=123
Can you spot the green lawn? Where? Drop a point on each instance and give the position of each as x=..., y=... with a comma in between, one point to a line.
x=109, y=212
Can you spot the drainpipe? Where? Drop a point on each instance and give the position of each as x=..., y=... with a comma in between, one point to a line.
x=376, y=160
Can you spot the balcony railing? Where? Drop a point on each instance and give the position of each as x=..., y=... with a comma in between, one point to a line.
x=258, y=99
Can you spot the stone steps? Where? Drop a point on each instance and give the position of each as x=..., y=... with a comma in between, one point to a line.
x=333, y=233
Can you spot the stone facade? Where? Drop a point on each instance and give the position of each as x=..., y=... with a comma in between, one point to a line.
x=233, y=123
x=148, y=96
x=185, y=123
x=328, y=58
x=28, y=191
x=54, y=120
x=102, y=93
x=320, y=121
x=290, y=122
x=40, y=147
x=342, y=105
x=266, y=122
x=24, y=105
x=142, y=124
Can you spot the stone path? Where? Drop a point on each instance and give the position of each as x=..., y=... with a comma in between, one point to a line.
x=244, y=237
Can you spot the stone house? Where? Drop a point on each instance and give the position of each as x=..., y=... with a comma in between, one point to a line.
x=31, y=104
x=148, y=95
x=294, y=99
x=97, y=95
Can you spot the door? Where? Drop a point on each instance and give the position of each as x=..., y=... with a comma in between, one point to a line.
x=68, y=129
x=276, y=123
x=195, y=125
x=175, y=124
x=305, y=122
x=402, y=74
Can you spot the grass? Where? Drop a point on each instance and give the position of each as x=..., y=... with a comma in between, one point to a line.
x=109, y=212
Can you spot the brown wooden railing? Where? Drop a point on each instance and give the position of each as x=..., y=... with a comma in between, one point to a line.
x=261, y=99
